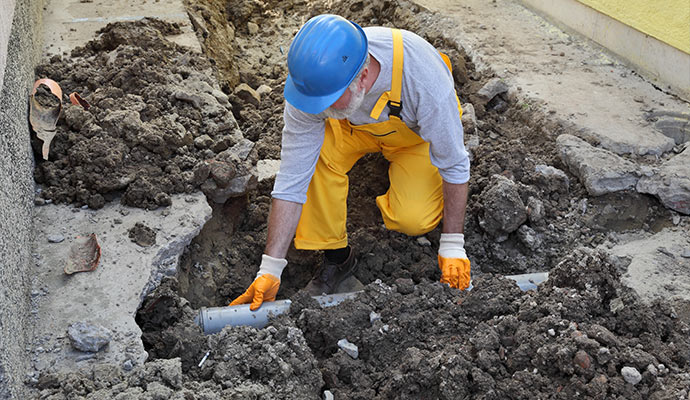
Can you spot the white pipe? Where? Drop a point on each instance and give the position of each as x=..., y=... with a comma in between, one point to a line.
x=214, y=319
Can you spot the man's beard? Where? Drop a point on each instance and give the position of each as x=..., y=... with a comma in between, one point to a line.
x=355, y=101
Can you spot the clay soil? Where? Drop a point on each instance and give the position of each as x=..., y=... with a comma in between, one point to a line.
x=139, y=142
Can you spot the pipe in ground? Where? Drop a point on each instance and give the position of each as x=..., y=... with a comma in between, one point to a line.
x=214, y=319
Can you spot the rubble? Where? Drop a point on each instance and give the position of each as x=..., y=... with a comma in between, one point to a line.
x=601, y=171
x=671, y=183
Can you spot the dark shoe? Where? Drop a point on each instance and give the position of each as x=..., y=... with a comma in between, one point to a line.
x=330, y=275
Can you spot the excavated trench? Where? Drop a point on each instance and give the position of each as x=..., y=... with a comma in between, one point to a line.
x=581, y=334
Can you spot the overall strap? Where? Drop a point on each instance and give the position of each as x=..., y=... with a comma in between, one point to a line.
x=392, y=97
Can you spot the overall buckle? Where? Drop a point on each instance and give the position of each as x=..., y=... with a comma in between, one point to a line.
x=395, y=108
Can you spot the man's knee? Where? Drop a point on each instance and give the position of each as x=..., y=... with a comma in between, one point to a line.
x=413, y=224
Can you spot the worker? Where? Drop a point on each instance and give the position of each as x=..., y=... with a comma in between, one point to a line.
x=352, y=91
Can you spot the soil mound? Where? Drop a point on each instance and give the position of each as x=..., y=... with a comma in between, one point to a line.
x=156, y=112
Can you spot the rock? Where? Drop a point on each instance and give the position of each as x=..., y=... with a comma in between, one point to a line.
x=471, y=142
x=631, y=375
x=327, y=395
x=252, y=28
x=142, y=235
x=535, y=209
x=267, y=169
x=685, y=253
x=492, y=89
x=127, y=365
x=503, y=210
x=203, y=142
x=246, y=94
x=56, y=238
x=238, y=186
x=469, y=119
x=601, y=171
x=529, y=237
x=374, y=316
x=423, y=241
x=582, y=359
x=88, y=337
x=551, y=179
x=263, y=89
x=241, y=150
x=349, y=348
x=222, y=172
x=671, y=183
x=404, y=285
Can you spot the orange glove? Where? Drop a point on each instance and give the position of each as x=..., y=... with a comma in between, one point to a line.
x=455, y=267
x=265, y=285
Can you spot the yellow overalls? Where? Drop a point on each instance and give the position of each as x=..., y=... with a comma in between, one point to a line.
x=413, y=203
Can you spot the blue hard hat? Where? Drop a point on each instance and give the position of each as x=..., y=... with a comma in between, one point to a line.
x=323, y=60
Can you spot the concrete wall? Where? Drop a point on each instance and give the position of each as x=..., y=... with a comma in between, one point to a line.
x=20, y=53
x=645, y=34
x=6, y=15
x=667, y=20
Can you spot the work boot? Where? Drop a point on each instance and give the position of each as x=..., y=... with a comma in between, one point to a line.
x=330, y=275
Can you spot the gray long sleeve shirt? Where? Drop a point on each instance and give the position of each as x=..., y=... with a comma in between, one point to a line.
x=429, y=109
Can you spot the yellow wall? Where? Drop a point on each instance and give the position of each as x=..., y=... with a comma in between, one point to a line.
x=666, y=20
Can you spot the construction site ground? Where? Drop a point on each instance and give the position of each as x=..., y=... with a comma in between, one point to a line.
x=579, y=169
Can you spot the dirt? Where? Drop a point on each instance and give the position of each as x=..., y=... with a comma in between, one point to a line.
x=416, y=338
x=151, y=100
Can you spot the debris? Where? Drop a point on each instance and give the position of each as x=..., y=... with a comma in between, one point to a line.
x=248, y=95
x=203, y=360
x=327, y=395
x=601, y=171
x=631, y=375
x=142, y=235
x=423, y=241
x=349, y=348
x=267, y=169
x=504, y=210
x=671, y=183
x=44, y=117
x=77, y=100
x=492, y=88
x=83, y=255
x=88, y=337
x=469, y=119
x=56, y=238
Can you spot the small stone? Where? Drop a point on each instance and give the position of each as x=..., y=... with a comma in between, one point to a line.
x=374, y=316
x=56, y=238
x=631, y=375
x=423, y=241
x=349, y=348
x=492, y=89
x=551, y=332
x=616, y=305
x=685, y=253
x=248, y=95
x=39, y=201
x=327, y=395
x=652, y=369
x=203, y=142
x=404, y=285
x=582, y=359
x=675, y=219
x=127, y=365
x=88, y=337
x=252, y=28
x=263, y=89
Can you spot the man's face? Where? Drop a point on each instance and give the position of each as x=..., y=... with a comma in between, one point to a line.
x=348, y=103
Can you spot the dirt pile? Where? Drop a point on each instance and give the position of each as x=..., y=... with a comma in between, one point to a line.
x=581, y=334
x=156, y=112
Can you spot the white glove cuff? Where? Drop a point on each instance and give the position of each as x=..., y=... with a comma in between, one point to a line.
x=270, y=265
x=452, y=245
